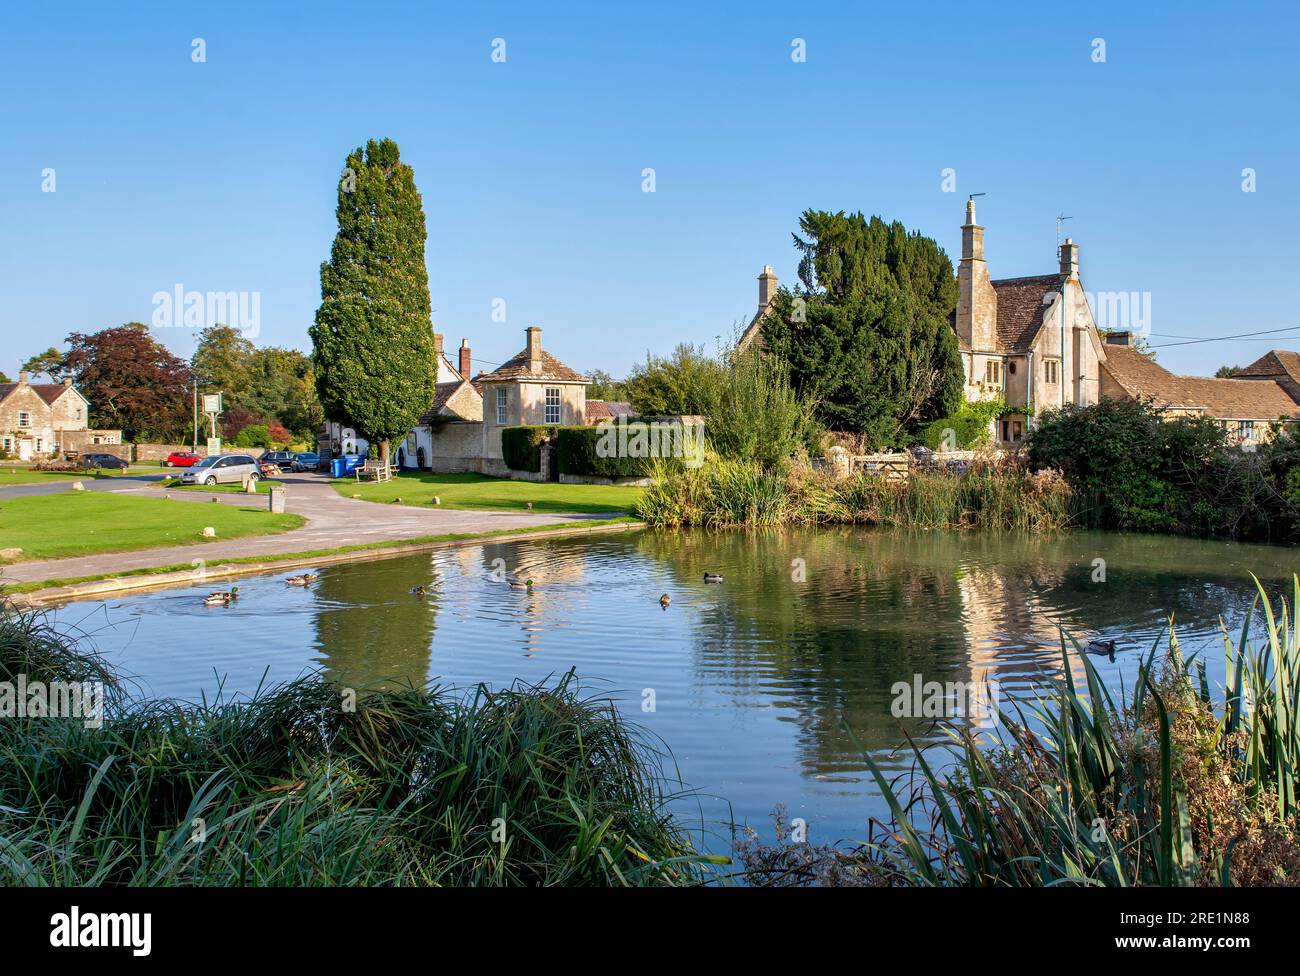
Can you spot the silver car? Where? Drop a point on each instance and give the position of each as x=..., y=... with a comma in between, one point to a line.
x=222, y=469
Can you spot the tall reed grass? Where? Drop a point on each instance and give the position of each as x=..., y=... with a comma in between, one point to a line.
x=526, y=786
x=728, y=492
x=1175, y=786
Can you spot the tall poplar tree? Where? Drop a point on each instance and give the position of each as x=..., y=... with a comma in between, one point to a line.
x=372, y=341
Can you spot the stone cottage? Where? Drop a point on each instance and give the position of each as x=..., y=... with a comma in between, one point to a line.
x=42, y=419
x=461, y=429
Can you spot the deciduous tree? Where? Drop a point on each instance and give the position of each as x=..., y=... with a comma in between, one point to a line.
x=131, y=381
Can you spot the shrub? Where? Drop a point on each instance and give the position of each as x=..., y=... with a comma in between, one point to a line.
x=254, y=435
x=756, y=414
x=521, y=446
x=970, y=426
x=577, y=449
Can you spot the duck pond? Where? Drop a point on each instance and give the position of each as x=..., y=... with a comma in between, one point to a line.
x=766, y=687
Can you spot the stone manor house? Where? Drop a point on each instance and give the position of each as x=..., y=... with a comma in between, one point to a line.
x=1033, y=342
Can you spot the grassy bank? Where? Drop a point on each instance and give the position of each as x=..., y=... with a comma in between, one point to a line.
x=305, y=786
x=726, y=493
x=1173, y=786
x=14, y=475
x=82, y=523
x=479, y=492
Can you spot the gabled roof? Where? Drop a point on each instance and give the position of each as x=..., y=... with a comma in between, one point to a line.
x=449, y=401
x=516, y=368
x=49, y=392
x=1275, y=363
x=1229, y=399
x=1021, y=307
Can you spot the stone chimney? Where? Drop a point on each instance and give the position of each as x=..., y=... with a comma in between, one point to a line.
x=67, y=381
x=22, y=377
x=766, y=287
x=1070, y=258
x=1119, y=339
x=437, y=344
x=977, y=303
x=464, y=359
x=534, y=335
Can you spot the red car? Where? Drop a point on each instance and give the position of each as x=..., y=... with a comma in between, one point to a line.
x=181, y=459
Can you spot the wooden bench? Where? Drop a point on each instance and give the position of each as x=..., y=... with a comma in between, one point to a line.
x=376, y=470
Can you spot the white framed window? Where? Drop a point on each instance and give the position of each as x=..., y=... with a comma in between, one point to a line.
x=1051, y=370
x=39, y=445
x=501, y=404
x=24, y=418
x=993, y=372
x=552, y=404
x=1246, y=430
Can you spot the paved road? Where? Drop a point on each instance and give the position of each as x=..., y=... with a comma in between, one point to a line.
x=333, y=521
x=118, y=482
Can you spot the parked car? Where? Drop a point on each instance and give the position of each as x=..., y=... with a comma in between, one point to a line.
x=181, y=459
x=105, y=461
x=222, y=469
x=282, y=458
x=306, y=461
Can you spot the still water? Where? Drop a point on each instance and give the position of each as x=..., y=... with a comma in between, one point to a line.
x=756, y=681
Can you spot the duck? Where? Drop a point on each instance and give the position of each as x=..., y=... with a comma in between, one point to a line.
x=226, y=594
x=1105, y=648
x=526, y=584
x=713, y=577
x=219, y=599
x=665, y=600
x=420, y=590
x=306, y=579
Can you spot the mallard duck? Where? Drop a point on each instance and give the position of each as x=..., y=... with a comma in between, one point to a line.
x=1106, y=648
x=420, y=590
x=306, y=579
x=524, y=584
x=226, y=594
x=665, y=600
x=713, y=577
x=219, y=599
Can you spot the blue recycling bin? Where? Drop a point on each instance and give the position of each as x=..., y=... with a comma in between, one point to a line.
x=345, y=464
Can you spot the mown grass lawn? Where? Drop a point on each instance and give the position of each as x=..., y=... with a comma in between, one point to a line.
x=476, y=491
x=263, y=486
x=14, y=475
x=81, y=523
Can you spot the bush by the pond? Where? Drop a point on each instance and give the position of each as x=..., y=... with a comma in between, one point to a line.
x=521, y=446
x=1131, y=469
x=1169, y=788
x=576, y=448
x=528, y=786
x=726, y=492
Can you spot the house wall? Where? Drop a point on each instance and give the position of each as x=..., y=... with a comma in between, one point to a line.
x=38, y=436
x=526, y=406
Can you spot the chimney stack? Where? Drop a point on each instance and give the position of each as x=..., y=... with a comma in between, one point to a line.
x=464, y=359
x=534, y=335
x=437, y=344
x=1119, y=339
x=1070, y=258
x=22, y=377
x=766, y=287
x=67, y=381
x=977, y=302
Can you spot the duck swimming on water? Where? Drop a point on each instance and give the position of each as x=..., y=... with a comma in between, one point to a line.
x=665, y=600
x=221, y=598
x=1101, y=648
x=713, y=577
x=306, y=579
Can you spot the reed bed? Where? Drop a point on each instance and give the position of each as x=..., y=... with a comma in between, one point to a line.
x=1174, y=786
x=727, y=492
x=526, y=786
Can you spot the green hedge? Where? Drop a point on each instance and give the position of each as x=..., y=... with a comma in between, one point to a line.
x=577, y=453
x=521, y=447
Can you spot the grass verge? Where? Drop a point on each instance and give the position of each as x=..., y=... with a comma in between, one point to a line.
x=82, y=523
x=308, y=784
x=481, y=493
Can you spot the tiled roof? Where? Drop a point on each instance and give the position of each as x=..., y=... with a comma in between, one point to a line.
x=516, y=368
x=1275, y=362
x=49, y=392
x=1020, y=309
x=444, y=392
x=1229, y=399
x=598, y=410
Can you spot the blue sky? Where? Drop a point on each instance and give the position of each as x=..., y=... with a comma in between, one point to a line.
x=221, y=175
